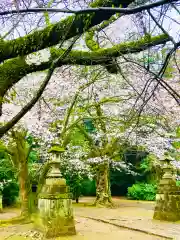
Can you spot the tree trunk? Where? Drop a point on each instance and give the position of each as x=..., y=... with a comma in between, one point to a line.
x=24, y=188
x=103, y=191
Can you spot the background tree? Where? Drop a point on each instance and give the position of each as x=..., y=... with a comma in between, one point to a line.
x=21, y=153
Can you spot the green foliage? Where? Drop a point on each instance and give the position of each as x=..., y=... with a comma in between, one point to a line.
x=76, y=137
x=9, y=170
x=8, y=174
x=10, y=193
x=178, y=183
x=88, y=188
x=33, y=156
x=142, y=191
x=178, y=132
x=146, y=164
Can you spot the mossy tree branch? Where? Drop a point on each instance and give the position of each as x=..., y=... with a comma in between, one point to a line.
x=13, y=70
x=89, y=39
x=94, y=45
x=53, y=34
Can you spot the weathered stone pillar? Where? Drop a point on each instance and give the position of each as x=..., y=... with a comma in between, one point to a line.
x=55, y=205
x=168, y=196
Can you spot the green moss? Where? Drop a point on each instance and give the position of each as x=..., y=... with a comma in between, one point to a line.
x=55, y=196
x=18, y=238
x=54, y=33
x=9, y=70
x=101, y=55
x=90, y=42
x=13, y=70
x=56, y=149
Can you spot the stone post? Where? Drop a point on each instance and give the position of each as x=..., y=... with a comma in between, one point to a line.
x=55, y=205
x=168, y=196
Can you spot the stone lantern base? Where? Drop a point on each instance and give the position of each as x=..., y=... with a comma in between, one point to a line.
x=55, y=213
x=167, y=201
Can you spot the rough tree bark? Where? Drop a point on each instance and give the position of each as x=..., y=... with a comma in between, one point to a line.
x=24, y=189
x=20, y=153
x=103, y=190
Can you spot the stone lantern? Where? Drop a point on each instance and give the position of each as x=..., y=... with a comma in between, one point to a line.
x=168, y=194
x=55, y=213
x=167, y=168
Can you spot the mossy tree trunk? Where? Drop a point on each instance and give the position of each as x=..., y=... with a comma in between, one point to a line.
x=103, y=189
x=20, y=152
x=24, y=188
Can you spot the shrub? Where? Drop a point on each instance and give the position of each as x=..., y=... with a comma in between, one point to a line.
x=142, y=191
x=10, y=193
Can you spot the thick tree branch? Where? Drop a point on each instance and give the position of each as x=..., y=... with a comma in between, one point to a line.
x=54, y=33
x=13, y=70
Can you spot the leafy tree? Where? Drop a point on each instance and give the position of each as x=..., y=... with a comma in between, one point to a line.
x=8, y=177
x=19, y=150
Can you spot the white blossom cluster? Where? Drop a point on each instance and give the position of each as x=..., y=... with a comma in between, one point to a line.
x=123, y=167
x=73, y=166
x=98, y=160
x=60, y=91
x=120, y=166
x=76, y=167
x=176, y=164
x=3, y=183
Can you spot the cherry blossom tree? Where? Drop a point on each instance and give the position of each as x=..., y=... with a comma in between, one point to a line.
x=93, y=22
x=132, y=104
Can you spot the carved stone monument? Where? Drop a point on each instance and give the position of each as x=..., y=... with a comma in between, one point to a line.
x=168, y=195
x=55, y=204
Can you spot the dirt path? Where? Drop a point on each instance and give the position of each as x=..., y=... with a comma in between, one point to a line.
x=86, y=230
x=130, y=214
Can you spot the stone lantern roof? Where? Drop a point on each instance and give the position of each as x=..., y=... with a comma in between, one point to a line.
x=56, y=149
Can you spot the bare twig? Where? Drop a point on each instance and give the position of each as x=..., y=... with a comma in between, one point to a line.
x=161, y=27
x=125, y=11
